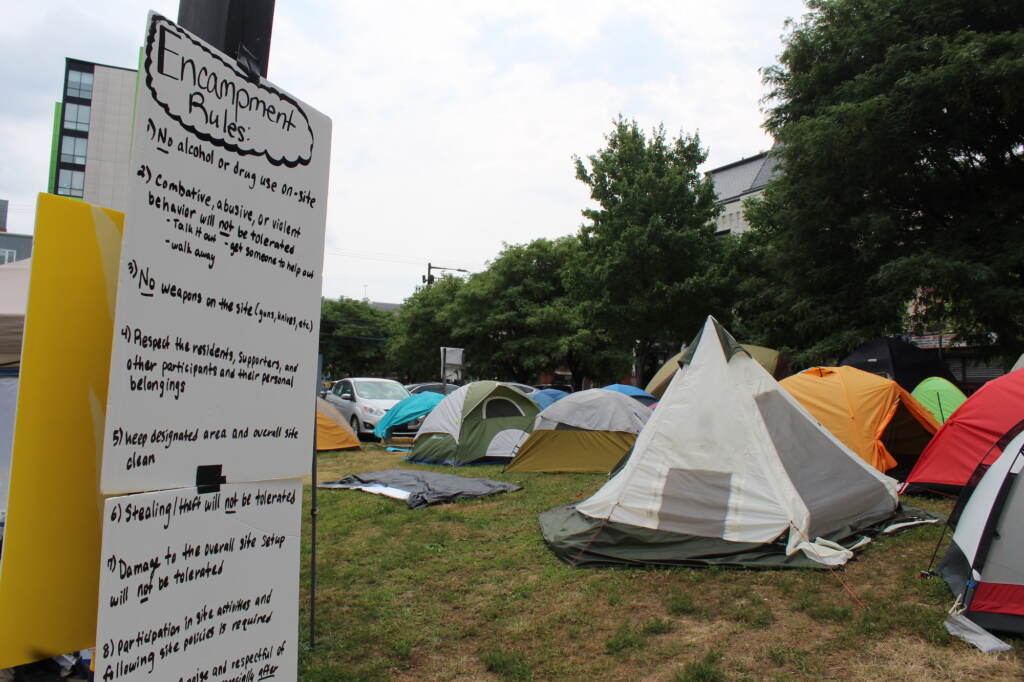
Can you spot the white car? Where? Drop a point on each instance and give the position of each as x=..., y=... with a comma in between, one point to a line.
x=363, y=401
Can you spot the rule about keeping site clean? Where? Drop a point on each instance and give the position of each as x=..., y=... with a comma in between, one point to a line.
x=218, y=298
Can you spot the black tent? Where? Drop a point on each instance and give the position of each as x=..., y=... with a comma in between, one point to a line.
x=904, y=363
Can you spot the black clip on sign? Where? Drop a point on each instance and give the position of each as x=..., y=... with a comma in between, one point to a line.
x=246, y=60
x=208, y=478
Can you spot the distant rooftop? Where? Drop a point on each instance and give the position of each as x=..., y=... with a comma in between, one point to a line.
x=386, y=307
x=742, y=177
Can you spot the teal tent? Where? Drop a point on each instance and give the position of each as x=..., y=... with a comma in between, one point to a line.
x=415, y=406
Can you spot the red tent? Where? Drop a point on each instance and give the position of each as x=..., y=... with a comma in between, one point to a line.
x=968, y=435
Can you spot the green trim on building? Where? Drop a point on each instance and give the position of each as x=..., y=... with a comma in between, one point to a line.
x=58, y=112
x=135, y=99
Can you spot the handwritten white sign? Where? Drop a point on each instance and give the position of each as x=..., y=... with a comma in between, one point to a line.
x=200, y=586
x=218, y=300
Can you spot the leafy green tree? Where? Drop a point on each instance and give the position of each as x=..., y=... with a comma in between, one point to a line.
x=516, y=319
x=902, y=130
x=421, y=327
x=586, y=352
x=646, y=273
x=353, y=338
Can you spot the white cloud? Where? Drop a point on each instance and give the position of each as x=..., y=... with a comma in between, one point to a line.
x=455, y=123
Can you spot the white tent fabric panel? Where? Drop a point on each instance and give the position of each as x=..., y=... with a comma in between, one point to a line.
x=447, y=416
x=978, y=509
x=506, y=442
x=595, y=410
x=837, y=490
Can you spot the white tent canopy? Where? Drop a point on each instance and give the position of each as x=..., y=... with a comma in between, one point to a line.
x=595, y=410
x=13, y=302
x=729, y=454
x=1019, y=364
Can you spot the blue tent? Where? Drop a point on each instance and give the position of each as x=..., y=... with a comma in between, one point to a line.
x=413, y=407
x=546, y=396
x=639, y=394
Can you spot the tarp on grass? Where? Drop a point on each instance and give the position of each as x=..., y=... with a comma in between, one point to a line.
x=421, y=488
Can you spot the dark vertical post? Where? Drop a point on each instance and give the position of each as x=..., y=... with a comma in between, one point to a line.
x=231, y=25
x=312, y=516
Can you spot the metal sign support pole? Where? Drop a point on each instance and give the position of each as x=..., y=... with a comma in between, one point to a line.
x=312, y=516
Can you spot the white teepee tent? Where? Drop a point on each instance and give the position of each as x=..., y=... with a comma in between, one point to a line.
x=730, y=456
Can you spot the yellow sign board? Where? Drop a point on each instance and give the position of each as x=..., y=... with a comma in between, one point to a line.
x=49, y=570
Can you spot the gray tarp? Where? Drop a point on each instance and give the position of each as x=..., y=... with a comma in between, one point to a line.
x=582, y=541
x=421, y=488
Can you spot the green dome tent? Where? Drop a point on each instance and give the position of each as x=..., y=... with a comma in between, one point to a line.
x=481, y=420
x=940, y=397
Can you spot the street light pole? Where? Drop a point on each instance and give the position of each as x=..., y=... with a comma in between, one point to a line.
x=239, y=28
x=429, y=278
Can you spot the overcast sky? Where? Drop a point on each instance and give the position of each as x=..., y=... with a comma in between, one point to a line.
x=455, y=122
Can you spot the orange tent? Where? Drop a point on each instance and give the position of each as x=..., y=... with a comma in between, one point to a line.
x=871, y=415
x=332, y=431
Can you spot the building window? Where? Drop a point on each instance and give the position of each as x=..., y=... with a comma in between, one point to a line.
x=76, y=117
x=79, y=84
x=8, y=256
x=72, y=150
x=71, y=183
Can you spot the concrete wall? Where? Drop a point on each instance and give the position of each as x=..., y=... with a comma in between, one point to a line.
x=732, y=219
x=21, y=244
x=110, y=134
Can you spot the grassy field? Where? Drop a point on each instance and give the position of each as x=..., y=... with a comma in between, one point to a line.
x=468, y=591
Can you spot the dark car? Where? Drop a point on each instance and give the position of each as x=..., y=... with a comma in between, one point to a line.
x=522, y=387
x=558, y=387
x=432, y=386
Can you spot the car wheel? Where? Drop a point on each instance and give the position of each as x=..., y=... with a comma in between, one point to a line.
x=354, y=423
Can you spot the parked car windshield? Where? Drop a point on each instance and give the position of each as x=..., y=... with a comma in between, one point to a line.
x=380, y=390
x=522, y=387
x=433, y=388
